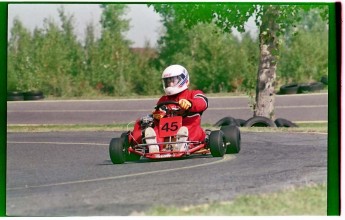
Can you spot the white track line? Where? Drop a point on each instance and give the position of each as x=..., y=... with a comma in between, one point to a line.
x=56, y=143
x=225, y=158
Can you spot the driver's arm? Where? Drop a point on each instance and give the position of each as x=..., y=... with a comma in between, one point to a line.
x=158, y=114
x=199, y=101
x=161, y=112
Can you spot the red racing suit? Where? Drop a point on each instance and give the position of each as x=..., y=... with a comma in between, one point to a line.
x=191, y=119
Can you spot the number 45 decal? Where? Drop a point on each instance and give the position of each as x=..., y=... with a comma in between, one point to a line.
x=169, y=126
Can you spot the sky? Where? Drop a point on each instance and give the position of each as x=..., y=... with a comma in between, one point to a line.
x=145, y=23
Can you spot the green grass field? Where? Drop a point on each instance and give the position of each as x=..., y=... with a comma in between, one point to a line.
x=310, y=200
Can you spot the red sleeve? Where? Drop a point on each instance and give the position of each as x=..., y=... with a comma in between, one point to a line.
x=162, y=99
x=199, y=101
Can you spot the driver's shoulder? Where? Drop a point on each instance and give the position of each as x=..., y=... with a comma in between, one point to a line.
x=164, y=99
x=194, y=93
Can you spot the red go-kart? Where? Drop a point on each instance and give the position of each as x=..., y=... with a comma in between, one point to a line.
x=217, y=142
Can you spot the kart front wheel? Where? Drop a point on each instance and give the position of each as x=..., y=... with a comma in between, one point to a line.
x=217, y=145
x=129, y=156
x=117, y=151
x=233, y=139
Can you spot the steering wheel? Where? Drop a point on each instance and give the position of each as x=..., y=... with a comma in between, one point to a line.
x=166, y=103
x=170, y=111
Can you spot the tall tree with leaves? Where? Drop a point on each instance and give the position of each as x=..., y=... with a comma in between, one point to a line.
x=20, y=63
x=304, y=57
x=113, y=61
x=202, y=49
x=70, y=39
x=272, y=21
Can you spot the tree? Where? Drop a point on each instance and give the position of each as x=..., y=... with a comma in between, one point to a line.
x=20, y=63
x=113, y=62
x=202, y=50
x=304, y=57
x=272, y=20
x=51, y=59
x=70, y=39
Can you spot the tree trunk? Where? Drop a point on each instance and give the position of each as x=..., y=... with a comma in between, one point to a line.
x=265, y=97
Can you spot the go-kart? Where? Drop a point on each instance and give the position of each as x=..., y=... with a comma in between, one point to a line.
x=217, y=142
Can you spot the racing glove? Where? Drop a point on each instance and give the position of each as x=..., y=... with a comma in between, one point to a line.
x=185, y=104
x=158, y=114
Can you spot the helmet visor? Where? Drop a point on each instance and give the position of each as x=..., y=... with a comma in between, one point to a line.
x=171, y=81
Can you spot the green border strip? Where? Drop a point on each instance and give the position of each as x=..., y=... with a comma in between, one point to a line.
x=333, y=190
x=3, y=105
x=334, y=61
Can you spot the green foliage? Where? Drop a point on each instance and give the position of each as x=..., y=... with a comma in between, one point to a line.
x=217, y=62
x=225, y=15
x=304, y=57
x=48, y=60
x=275, y=22
x=109, y=57
x=52, y=59
x=20, y=63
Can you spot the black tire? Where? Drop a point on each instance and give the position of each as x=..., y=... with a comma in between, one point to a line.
x=310, y=87
x=32, y=98
x=117, y=151
x=129, y=156
x=305, y=87
x=259, y=121
x=282, y=122
x=316, y=86
x=14, y=93
x=232, y=139
x=33, y=95
x=226, y=121
x=324, y=80
x=15, y=96
x=240, y=122
x=217, y=145
x=289, y=89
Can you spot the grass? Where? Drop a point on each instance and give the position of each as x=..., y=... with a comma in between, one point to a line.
x=309, y=200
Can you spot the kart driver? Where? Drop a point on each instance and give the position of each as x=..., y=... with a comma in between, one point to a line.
x=192, y=103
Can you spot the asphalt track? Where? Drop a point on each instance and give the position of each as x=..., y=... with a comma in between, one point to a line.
x=70, y=173
x=301, y=107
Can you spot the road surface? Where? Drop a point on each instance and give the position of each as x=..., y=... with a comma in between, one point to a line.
x=302, y=107
x=70, y=173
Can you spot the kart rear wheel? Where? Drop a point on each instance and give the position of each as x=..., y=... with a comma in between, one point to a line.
x=217, y=145
x=117, y=151
x=233, y=137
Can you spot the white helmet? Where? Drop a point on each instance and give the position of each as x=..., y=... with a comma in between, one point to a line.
x=175, y=79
